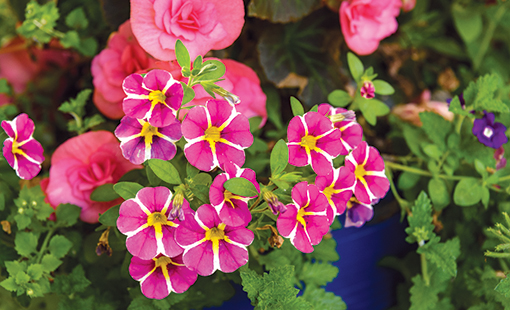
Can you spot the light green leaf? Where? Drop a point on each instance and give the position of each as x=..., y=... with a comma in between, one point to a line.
x=407, y=180
x=503, y=287
x=383, y=87
x=182, y=55
x=241, y=187
x=77, y=19
x=189, y=93
x=59, y=246
x=104, y=192
x=372, y=108
x=110, y=216
x=439, y=194
x=317, y=274
x=481, y=169
x=50, y=263
x=423, y=297
x=436, y=128
x=35, y=271
x=25, y=243
x=467, y=21
x=486, y=195
x=13, y=267
x=322, y=300
x=165, y=171
x=10, y=284
x=339, y=98
x=211, y=70
x=297, y=107
x=467, y=192
x=444, y=255
x=279, y=157
x=420, y=222
x=127, y=190
x=355, y=66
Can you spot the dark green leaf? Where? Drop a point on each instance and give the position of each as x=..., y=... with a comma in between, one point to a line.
x=317, y=274
x=322, y=300
x=407, y=180
x=423, y=297
x=297, y=107
x=182, y=55
x=339, y=98
x=104, y=192
x=59, y=246
x=25, y=243
x=355, y=66
x=467, y=21
x=372, y=108
x=467, y=192
x=77, y=19
x=109, y=218
x=67, y=215
x=383, y=87
x=73, y=282
x=420, y=220
x=279, y=157
x=273, y=106
x=444, y=255
x=165, y=171
x=241, y=187
x=504, y=287
x=4, y=87
x=282, y=11
x=127, y=190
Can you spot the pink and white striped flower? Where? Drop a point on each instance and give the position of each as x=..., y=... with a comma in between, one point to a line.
x=140, y=141
x=232, y=209
x=161, y=275
x=307, y=219
x=368, y=167
x=144, y=220
x=216, y=134
x=358, y=213
x=210, y=245
x=313, y=141
x=155, y=97
x=337, y=187
x=351, y=132
x=23, y=153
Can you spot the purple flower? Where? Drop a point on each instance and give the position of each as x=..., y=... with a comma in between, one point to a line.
x=358, y=213
x=489, y=133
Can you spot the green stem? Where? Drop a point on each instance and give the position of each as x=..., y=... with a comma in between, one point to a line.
x=79, y=123
x=493, y=23
x=458, y=126
x=505, y=178
x=423, y=172
x=402, y=202
x=424, y=271
x=255, y=203
x=45, y=245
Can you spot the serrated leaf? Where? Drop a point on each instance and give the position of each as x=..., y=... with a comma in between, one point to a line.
x=324, y=251
x=104, y=192
x=279, y=157
x=444, y=255
x=383, y=87
x=318, y=274
x=355, y=66
x=14, y=267
x=110, y=216
x=73, y=282
x=25, y=243
x=320, y=299
x=339, y=98
x=467, y=192
x=40, y=21
x=241, y=187
x=92, y=121
x=182, y=54
x=423, y=297
x=10, y=284
x=165, y=171
x=420, y=220
x=127, y=190
x=59, y=246
x=67, y=215
x=50, y=263
x=296, y=106
x=35, y=271
x=503, y=287
x=76, y=105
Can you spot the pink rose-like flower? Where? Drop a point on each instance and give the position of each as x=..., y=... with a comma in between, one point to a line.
x=80, y=165
x=140, y=141
x=366, y=22
x=408, y=5
x=201, y=25
x=216, y=134
x=210, y=245
x=368, y=167
x=232, y=209
x=155, y=97
x=161, y=275
x=351, y=133
x=358, y=213
x=121, y=57
x=337, y=187
x=144, y=220
x=313, y=141
x=23, y=153
x=307, y=219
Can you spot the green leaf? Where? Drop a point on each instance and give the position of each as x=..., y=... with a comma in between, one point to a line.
x=189, y=93
x=88, y=46
x=355, y=66
x=324, y=251
x=467, y=21
x=408, y=180
x=35, y=271
x=165, y=171
x=76, y=105
x=297, y=107
x=372, y=108
x=110, y=216
x=503, y=287
x=25, y=243
x=383, y=87
x=323, y=300
x=279, y=157
x=486, y=195
x=4, y=87
x=182, y=55
x=273, y=106
x=199, y=186
x=14, y=267
x=73, y=282
x=211, y=70
x=456, y=108
x=40, y=21
x=67, y=215
x=436, y=128
x=92, y=121
x=77, y=19
x=318, y=274
x=444, y=255
x=10, y=284
x=104, y=192
x=483, y=95
x=420, y=222
x=282, y=11
x=439, y=194
x=241, y=187
x=467, y=192
x=59, y=246
x=50, y=263
x=423, y=297
x=127, y=190
x=339, y=98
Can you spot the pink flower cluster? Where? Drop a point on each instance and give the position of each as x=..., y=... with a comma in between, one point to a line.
x=315, y=139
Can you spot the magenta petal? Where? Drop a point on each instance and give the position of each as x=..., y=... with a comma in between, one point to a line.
x=330, y=143
x=299, y=194
x=240, y=235
x=155, y=285
x=7, y=151
x=136, y=108
x=161, y=116
x=128, y=127
x=131, y=217
x=156, y=79
x=375, y=161
x=360, y=191
x=298, y=156
x=186, y=237
x=252, y=177
x=321, y=164
x=195, y=123
x=134, y=150
x=7, y=126
x=181, y=277
x=200, y=258
x=301, y=241
x=238, y=131
x=208, y=216
x=231, y=257
x=26, y=168
x=139, y=268
x=154, y=199
x=352, y=134
x=172, y=131
x=24, y=127
x=286, y=222
x=227, y=153
x=220, y=111
x=237, y=215
x=199, y=154
x=174, y=95
x=217, y=191
x=296, y=129
x=171, y=247
x=133, y=85
x=379, y=186
x=162, y=149
x=143, y=244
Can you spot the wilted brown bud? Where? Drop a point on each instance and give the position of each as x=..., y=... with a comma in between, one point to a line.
x=6, y=226
x=103, y=246
x=275, y=240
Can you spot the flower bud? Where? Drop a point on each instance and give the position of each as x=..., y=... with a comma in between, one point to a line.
x=103, y=246
x=273, y=202
x=367, y=90
x=176, y=211
x=348, y=115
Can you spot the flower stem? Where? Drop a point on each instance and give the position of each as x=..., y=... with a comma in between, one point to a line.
x=423, y=172
x=45, y=245
x=402, y=202
x=424, y=271
x=484, y=45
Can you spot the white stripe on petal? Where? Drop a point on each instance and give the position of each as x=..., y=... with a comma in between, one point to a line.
x=141, y=205
x=167, y=202
x=233, y=115
x=130, y=234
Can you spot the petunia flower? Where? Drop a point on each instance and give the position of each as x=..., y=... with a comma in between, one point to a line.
x=141, y=141
x=144, y=220
x=307, y=219
x=351, y=133
x=23, y=153
x=161, y=275
x=368, y=167
x=210, y=245
x=216, y=134
x=337, y=187
x=273, y=202
x=358, y=213
x=489, y=133
x=313, y=141
x=367, y=90
x=232, y=209
x=155, y=97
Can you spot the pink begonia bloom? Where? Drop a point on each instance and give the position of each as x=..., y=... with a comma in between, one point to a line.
x=368, y=167
x=80, y=165
x=155, y=97
x=201, y=25
x=210, y=245
x=307, y=219
x=121, y=57
x=410, y=112
x=144, y=220
x=23, y=153
x=313, y=141
x=216, y=134
x=366, y=22
x=358, y=213
x=232, y=209
x=408, y=5
x=161, y=275
x=367, y=90
x=140, y=141
x=337, y=187
x=351, y=133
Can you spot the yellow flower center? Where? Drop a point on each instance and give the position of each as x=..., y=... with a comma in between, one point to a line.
x=162, y=261
x=213, y=134
x=216, y=233
x=309, y=142
x=148, y=131
x=156, y=218
x=328, y=192
x=156, y=96
x=300, y=216
x=360, y=171
x=228, y=197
